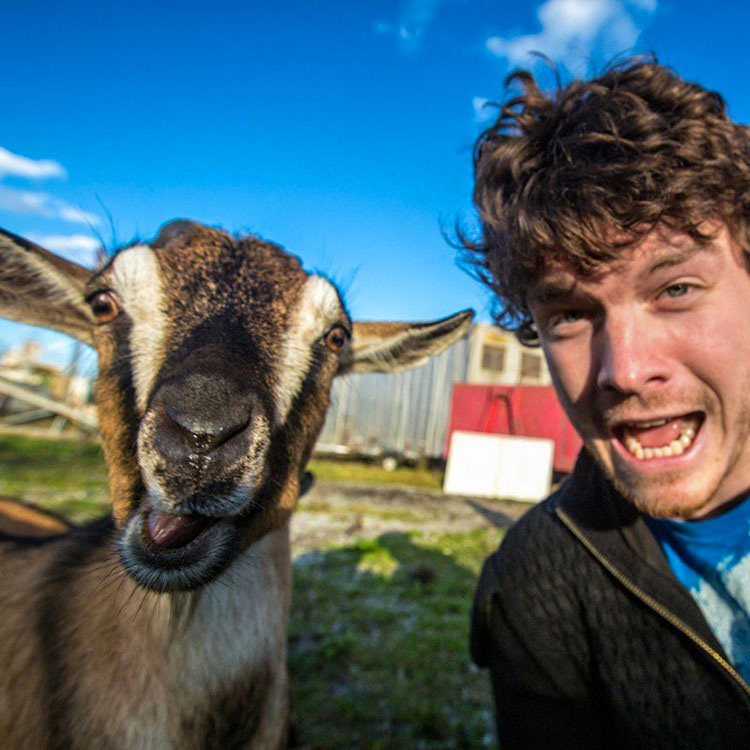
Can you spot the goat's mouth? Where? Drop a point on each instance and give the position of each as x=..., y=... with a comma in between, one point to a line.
x=165, y=552
x=164, y=531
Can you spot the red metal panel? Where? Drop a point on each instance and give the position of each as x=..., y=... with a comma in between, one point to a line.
x=525, y=410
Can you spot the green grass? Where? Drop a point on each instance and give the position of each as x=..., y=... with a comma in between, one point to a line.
x=65, y=476
x=379, y=644
x=358, y=471
x=355, y=508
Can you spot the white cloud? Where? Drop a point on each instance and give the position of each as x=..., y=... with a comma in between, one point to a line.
x=71, y=242
x=74, y=215
x=43, y=204
x=82, y=248
x=32, y=169
x=414, y=17
x=23, y=201
x=573, y=29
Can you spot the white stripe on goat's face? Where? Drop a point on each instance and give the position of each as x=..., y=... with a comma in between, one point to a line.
x=318, y=308
x=136, y=279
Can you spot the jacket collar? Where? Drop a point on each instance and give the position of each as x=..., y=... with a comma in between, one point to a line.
x=619, y=534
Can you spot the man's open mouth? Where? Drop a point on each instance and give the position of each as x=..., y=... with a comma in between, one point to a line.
x=659, y=438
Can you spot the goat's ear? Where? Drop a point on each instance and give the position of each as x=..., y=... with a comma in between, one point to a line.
x=386, y=347
x=43, y=289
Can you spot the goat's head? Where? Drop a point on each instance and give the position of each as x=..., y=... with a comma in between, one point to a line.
x=216, y=358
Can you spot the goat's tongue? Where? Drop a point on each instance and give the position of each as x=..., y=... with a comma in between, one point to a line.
x=654, y=437
x=173, y=531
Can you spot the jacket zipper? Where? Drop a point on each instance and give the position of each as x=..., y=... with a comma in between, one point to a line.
x=650, y=602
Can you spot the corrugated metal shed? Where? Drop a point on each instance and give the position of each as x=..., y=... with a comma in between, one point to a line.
x=407, y=413
x=404, y=412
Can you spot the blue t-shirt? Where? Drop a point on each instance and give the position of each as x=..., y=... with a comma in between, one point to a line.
x=712, y=560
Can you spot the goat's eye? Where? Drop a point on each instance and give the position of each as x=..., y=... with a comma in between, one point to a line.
x=105, y=307
x=336, y=338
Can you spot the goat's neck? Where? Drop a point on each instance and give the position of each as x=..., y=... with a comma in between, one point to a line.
x=166, y=670
x=232, y=612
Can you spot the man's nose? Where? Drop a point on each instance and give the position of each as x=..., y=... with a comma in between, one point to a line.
x=629, y=357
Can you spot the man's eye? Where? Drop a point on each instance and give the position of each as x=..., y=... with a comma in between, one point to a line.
x=677, y=290
x=566, y=317
x=563, y=318
x=571, y=316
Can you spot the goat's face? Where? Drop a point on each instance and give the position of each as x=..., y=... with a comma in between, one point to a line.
x=218, y=354
x=216, y=358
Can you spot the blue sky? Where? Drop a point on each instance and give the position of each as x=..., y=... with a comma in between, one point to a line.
x=341, y=130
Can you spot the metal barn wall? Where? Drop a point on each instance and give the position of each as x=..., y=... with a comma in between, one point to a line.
x=404, y=412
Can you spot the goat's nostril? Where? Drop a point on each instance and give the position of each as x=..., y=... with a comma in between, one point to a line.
x=204, y=436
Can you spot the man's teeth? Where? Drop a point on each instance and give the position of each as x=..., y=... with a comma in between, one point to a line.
x=677, y=447
x=653, y=423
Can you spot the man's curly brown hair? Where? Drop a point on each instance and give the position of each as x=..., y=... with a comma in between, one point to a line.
x=578, y=175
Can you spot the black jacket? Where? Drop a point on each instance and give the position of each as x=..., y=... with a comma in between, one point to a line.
x=590, y=639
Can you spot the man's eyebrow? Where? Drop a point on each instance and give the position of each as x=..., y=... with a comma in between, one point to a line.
x=680, y=256
x=556, y=288
x=551, y=290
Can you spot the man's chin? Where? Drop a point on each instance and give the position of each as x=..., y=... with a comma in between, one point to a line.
x=667, y=501
x=664, y=495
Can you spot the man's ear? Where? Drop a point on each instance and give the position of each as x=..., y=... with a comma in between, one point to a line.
x=43, y=289
x=387, y=347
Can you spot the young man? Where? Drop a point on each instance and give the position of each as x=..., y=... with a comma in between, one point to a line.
x=615, y=221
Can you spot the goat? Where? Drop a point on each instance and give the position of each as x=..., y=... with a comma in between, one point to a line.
x=164, y=625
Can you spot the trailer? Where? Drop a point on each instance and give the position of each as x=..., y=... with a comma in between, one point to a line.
x=405, y=416
x=522, y=410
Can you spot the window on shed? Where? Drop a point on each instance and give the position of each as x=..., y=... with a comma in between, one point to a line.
x=531, y=366
x=493, y=358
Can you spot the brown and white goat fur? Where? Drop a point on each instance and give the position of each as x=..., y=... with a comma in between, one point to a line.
x=164, y=626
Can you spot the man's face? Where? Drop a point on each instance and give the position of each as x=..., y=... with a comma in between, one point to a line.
x=651, y=361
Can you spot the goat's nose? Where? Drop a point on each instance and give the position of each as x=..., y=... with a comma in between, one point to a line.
x=202, y=435
x=218, y=433
x=202, y=419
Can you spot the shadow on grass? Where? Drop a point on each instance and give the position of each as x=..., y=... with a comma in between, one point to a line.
x=378, y=644
x=494, y=516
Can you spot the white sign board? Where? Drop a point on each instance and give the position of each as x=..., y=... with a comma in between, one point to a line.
x=482, y=465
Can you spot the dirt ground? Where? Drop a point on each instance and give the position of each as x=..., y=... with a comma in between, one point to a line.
x=334, y=513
